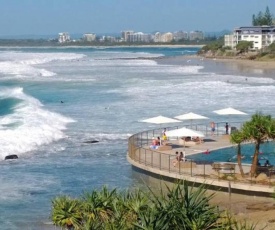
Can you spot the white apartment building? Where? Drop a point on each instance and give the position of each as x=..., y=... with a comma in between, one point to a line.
x=261, y=36
x=89, y=37
x=139, y=37
x=157, y=37
x=229, y=40
x=125, y=34
x=63, y=37
x=166, y=37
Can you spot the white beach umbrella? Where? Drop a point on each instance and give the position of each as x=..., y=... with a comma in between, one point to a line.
x=160, y=120
x=229, y=111
x=191, y=117
x=184, y=132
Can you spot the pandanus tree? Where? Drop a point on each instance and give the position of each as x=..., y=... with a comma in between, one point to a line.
x=237, y=138
x=66, y=212
x=259, y=129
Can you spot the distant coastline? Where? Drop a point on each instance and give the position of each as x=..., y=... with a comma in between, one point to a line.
x=105, y=46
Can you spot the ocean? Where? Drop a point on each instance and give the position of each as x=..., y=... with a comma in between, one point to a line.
x=54, y=100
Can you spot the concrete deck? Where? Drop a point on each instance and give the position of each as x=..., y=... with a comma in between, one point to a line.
x=161, y=163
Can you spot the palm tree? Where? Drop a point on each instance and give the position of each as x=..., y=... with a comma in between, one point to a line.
x=259, y=129
x=178, y=208
x=67, y=212
x=97, y=205
x=181, y=208
x=237, y=138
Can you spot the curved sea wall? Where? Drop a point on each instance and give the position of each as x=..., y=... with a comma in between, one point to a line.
x=159, y=164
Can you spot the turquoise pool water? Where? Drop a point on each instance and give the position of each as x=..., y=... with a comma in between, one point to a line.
x=267, y=152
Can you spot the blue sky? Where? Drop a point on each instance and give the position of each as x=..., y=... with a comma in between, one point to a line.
x=42, y=17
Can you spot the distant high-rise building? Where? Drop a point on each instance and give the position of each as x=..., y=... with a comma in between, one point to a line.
x=167, y=37
x=63, y=37
x=196, y=35
x=140, y=37
x=180, y=35
x=163, y=37
x=157, y=37
x=125, y=35
x=89, y=37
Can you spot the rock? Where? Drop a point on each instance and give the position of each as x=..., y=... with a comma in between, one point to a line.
x=13, y=156
x=91, y=142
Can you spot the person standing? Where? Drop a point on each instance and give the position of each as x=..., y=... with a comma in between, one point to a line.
x=177, y=159
x=212, y=125
x=164, y=137
x=226, y=128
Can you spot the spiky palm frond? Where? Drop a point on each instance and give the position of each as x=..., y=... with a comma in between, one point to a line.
x=67, y=212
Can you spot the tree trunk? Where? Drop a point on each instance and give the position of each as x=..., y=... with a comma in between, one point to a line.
x=255, y=158
x=240, y=160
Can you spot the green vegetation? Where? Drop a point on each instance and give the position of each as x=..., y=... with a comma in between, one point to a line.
x=243, y=50
x=179, y=208
x=259, y=129
x=244, y=46
x=237, y=138
x=263, y=19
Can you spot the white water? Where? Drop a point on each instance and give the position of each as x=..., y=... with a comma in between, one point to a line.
x=104, y=98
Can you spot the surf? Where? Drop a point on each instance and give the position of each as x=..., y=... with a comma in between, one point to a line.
x=25, y=124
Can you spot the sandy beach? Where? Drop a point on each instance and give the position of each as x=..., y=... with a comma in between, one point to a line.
x=252, y=209
x=238, y=67
x=249, y=63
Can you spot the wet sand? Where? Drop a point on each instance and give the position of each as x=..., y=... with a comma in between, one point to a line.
x=224, y=66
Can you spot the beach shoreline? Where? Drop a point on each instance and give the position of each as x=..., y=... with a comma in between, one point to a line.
x=237, y=61
x=249, y=63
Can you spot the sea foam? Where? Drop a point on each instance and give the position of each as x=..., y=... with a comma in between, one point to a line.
x=35, y=126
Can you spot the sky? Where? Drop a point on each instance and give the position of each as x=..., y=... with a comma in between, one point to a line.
x=47, y=17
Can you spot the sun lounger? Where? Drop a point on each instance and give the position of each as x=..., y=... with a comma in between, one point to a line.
x=164, y=147
x=188, y=143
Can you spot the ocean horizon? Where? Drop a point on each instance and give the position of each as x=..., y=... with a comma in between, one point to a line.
x=53, y=100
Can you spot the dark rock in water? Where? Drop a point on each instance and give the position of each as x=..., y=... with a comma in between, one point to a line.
x=11, y=157
x=91, y=142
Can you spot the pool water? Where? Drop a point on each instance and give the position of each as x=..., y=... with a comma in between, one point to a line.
x=267, y=152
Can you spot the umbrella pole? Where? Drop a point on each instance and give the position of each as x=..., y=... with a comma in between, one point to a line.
x=184, y=145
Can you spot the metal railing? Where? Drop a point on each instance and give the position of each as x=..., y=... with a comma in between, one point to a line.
x=139, y=151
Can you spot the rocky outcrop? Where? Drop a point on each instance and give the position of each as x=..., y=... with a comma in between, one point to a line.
x=10, y=157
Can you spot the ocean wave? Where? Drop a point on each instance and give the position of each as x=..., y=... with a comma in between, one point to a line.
x=22, y=70
x=106, y=137
x=25, y=64
x=36, y=126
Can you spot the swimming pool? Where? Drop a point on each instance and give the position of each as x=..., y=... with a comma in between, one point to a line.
x=267, y=152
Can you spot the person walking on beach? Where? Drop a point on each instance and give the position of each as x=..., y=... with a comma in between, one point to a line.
x=226, y=128
x=212, y=125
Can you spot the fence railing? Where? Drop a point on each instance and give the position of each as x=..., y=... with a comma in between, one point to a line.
x=139, y=151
